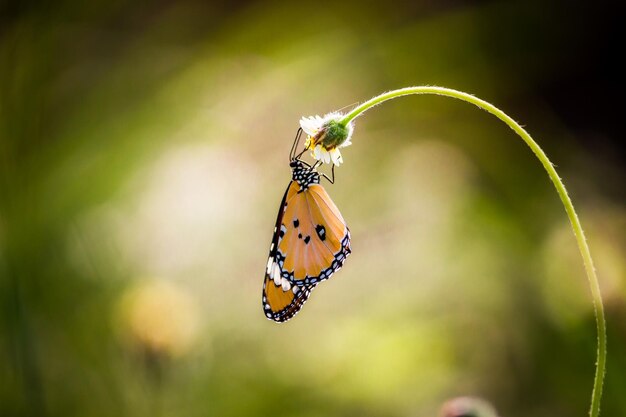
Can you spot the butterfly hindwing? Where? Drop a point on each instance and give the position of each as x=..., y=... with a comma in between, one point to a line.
x=279, y=302
x=280, y=305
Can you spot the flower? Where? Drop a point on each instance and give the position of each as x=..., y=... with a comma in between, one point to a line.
x=325, y=136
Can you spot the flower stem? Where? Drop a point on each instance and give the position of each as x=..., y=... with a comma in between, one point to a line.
x=596, y=393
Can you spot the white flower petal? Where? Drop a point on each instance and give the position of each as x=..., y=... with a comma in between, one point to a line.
x=308, y=129
x=335, y=155
x=326, y=156
x=311, y=125
x=317, y=152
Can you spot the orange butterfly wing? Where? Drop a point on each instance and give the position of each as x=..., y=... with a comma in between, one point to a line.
x=280, y=305
x=316, y=241
x=311, y=241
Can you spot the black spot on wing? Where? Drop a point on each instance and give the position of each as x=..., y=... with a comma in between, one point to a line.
x=321, y=232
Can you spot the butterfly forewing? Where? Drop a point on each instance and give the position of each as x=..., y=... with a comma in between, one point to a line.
x=315, y=237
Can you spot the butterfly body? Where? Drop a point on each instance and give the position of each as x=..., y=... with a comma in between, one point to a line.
x=311, y=242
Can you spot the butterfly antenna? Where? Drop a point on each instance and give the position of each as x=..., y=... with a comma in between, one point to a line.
x=294, y=147
x=300, y=154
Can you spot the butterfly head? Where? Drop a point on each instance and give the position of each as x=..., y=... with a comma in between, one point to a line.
x=303, y=174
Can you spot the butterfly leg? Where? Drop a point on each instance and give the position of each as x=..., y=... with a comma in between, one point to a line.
x=332, y=171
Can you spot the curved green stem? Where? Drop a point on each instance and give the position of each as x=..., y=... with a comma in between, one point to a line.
x=596, y=394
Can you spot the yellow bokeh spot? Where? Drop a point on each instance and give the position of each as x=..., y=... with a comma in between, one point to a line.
x=160, y=316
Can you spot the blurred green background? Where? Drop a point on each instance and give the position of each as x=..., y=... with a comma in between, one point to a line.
x=143, y=155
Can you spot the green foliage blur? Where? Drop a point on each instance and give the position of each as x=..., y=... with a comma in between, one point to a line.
x=143, y=155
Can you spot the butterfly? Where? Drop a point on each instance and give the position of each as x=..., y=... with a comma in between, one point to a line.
x=311, y=241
